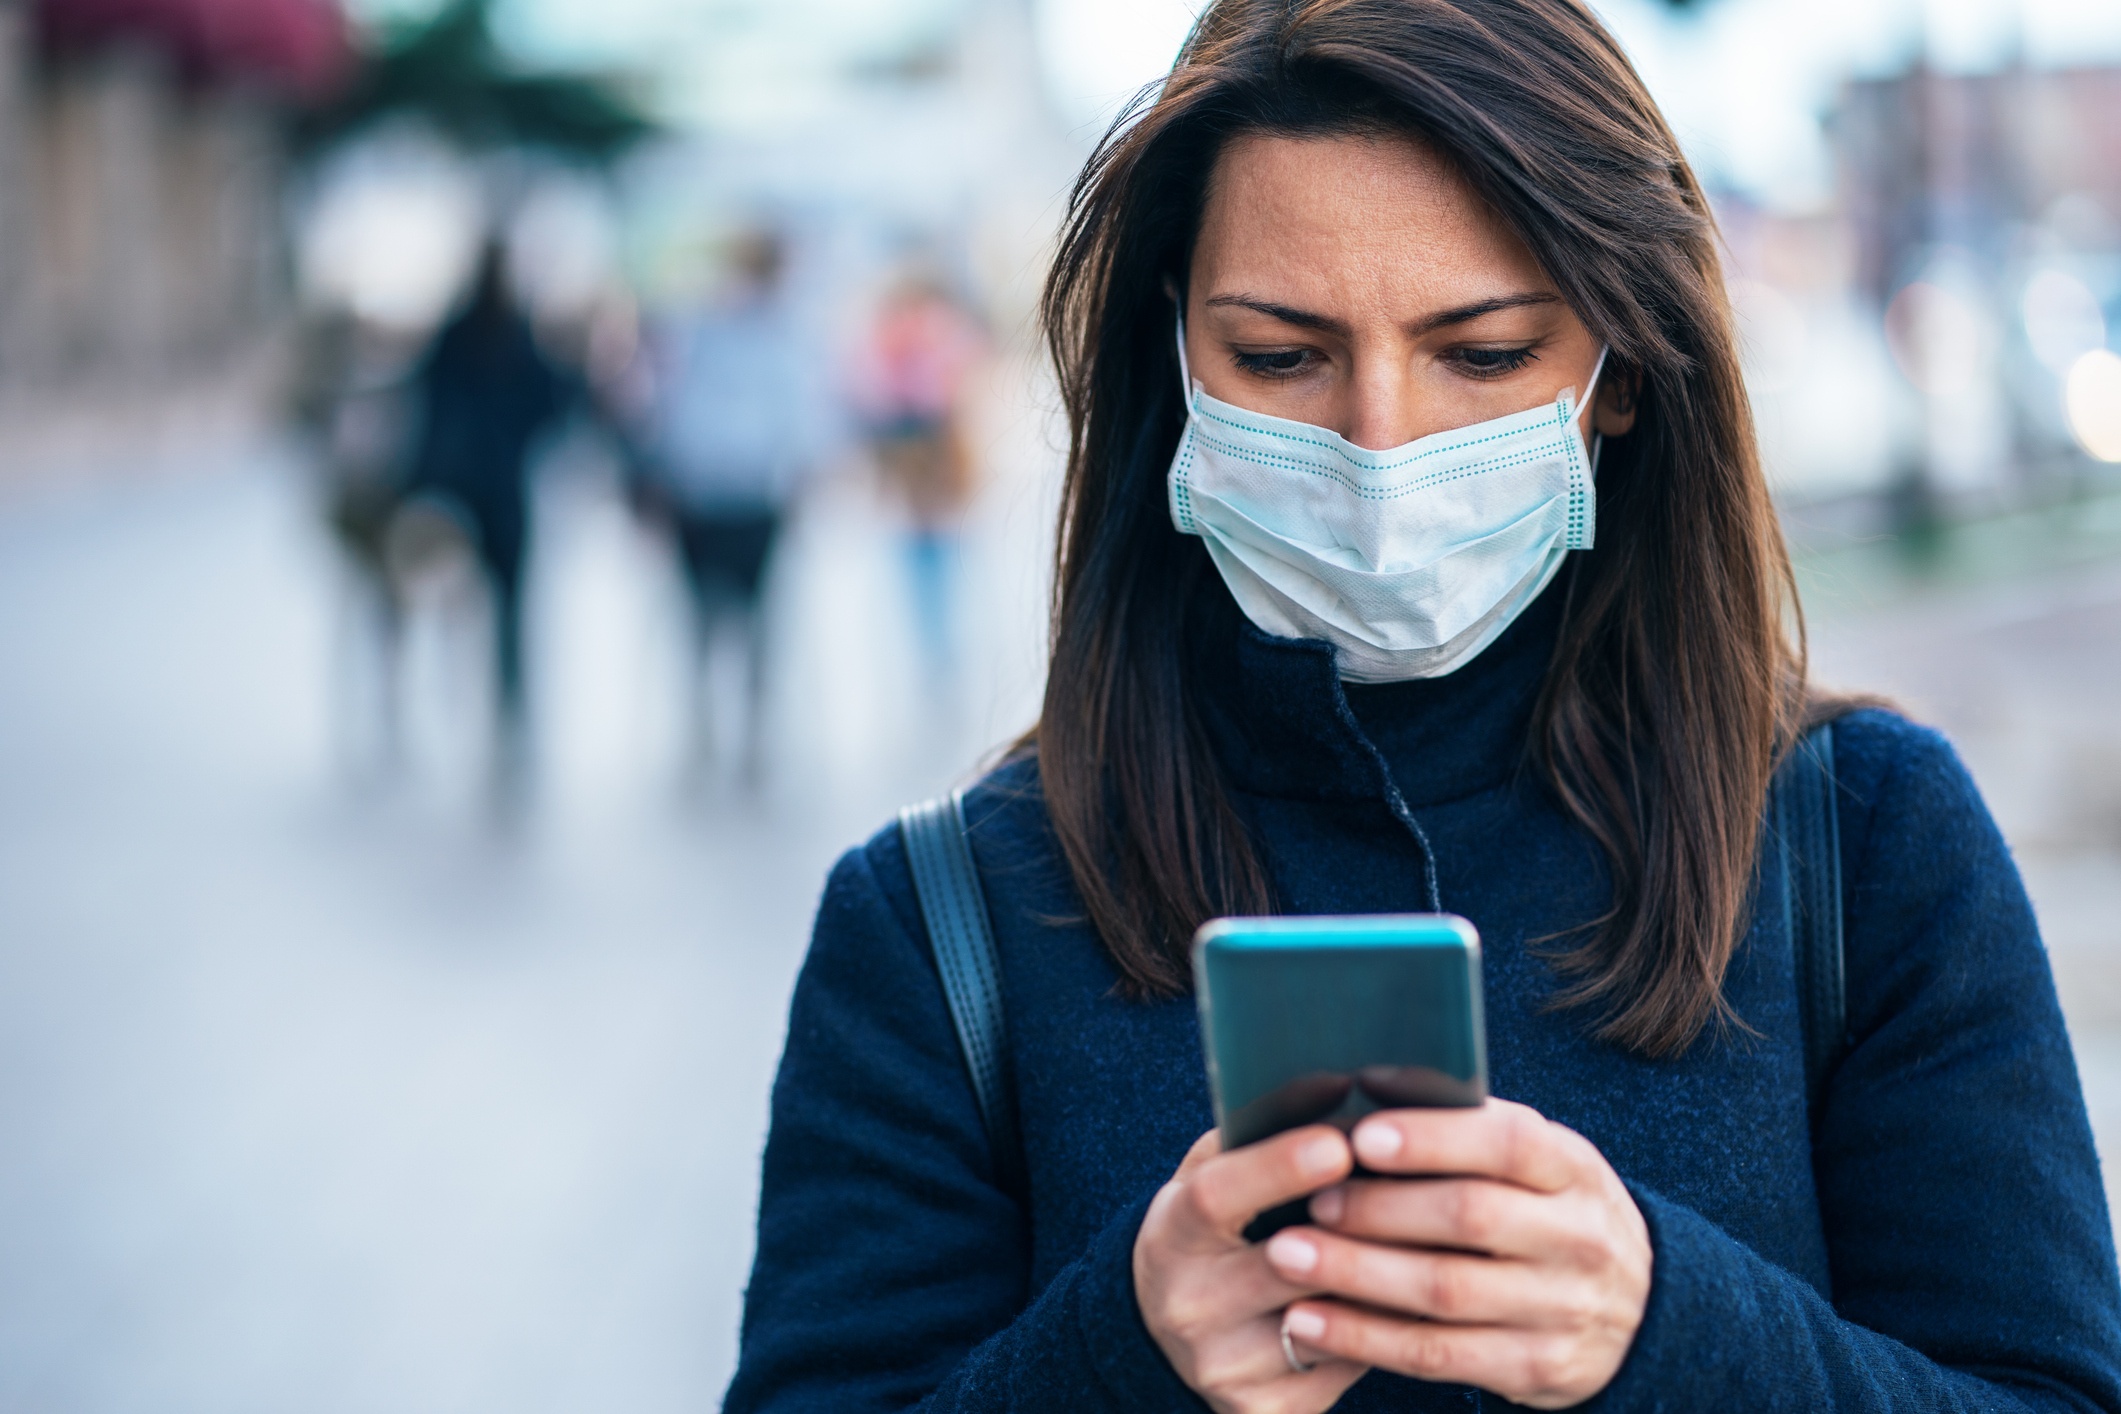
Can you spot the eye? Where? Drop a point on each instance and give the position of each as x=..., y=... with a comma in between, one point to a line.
x=1275, y=363
x=1491, y=363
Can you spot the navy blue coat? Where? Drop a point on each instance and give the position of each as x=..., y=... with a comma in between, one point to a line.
x=1942, y=1243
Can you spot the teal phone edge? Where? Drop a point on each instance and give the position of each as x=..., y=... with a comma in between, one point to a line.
x=1294, y=935
x=1394, y=1019
x=1337, y=930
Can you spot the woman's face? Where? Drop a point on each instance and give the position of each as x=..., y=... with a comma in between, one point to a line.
x=1359, y=284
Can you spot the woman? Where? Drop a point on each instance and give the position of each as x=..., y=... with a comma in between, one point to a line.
x=1289, y=674
x=922, y=351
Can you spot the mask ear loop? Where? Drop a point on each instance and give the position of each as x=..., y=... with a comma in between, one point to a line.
x=1590, y=393
x=1185, y=374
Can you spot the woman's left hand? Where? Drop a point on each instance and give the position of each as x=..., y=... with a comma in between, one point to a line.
x=1510, y=1256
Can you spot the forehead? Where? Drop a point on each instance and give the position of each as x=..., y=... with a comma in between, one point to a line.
x=1352, y=213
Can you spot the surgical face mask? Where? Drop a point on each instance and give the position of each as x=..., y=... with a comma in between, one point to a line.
x=1409, y=562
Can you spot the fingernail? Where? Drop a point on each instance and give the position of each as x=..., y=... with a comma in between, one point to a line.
x=1374, y=1143
x=1292, y=1253
x=1303, y=1324
x=1321, y=1155
x=1327, y=1206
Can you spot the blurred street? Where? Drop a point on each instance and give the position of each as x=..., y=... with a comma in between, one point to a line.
x=329, y=1094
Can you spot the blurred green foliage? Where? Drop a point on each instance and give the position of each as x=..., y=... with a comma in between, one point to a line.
x=448, y=71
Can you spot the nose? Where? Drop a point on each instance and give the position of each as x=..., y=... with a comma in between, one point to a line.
x=1382, y=409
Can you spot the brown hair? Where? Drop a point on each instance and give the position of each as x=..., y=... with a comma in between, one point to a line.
x=1674, y=684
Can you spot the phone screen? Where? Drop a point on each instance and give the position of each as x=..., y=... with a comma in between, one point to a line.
x=1326, y=1019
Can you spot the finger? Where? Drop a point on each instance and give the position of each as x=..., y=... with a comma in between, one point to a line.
x=1319, y=1387
x=1204, y=1148
x=1236, y=1284
x=1442, y=1286
x=1323, y=1381
x=1538, y=1369
x=1470, y=1214
x=1228, y=1190
x=1499, y=1139
x=1251, y=1355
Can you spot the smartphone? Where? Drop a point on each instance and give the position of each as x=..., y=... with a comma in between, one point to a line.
x=1325, y=1019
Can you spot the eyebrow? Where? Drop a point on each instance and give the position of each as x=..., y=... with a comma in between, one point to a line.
x=1305, y=319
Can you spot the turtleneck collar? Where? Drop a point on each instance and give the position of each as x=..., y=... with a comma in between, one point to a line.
x=1283, y=723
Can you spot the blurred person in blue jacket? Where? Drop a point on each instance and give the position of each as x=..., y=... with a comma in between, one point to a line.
x=487, y=392
x=737, y=421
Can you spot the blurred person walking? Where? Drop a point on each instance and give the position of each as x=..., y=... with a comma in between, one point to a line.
x=487, y=391
x=911, y=382
x=350, y=401
x=736, y=425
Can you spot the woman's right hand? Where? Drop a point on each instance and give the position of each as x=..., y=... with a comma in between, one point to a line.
x=1209, y=1297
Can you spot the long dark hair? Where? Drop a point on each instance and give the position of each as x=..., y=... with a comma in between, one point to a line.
x=1678, y=675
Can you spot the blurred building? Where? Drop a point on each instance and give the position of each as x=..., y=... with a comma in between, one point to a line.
x=1971, y=161
x=141, y=159
x=1984, y=217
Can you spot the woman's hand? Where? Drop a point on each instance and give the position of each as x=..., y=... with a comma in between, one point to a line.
x=1511, y=1258
x=1211, y=1299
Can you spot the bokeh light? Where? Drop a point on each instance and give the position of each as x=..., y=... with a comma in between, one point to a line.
x=2062, y=318
x=2093, y=396
x=392, y=235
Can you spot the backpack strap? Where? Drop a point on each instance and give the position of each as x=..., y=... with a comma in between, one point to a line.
x=962, y=937
x=1808, y=830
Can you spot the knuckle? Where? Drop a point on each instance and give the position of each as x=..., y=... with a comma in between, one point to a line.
x=1509, y=1142
x=1169, y=1200
x=1186, y=1313
x=1575, y=1371
x=1567, y=1141
x=1550, y=1368
x=1527, y=1135
x=1362, y=1212
x=1579, y=1305
x=1202, y=1197
x=1590, y=1246
x=1418, y=1349
x=1216, y=1371
x=1473, y=1214
x=1579, y=1154
x=1443, y=1288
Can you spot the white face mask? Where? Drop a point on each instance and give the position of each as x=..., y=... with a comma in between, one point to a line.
x=1409, y=562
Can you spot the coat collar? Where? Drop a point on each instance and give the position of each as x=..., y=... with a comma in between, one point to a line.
x=1283, y=724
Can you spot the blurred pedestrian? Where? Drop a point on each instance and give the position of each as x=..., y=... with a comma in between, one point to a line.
x=349, y=400
x=911, y=381
x=487, y=391
x=736, y=425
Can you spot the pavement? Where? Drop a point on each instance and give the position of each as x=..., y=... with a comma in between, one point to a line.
x=334, y=1088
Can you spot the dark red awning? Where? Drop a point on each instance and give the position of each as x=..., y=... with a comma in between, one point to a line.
x=297, y=45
